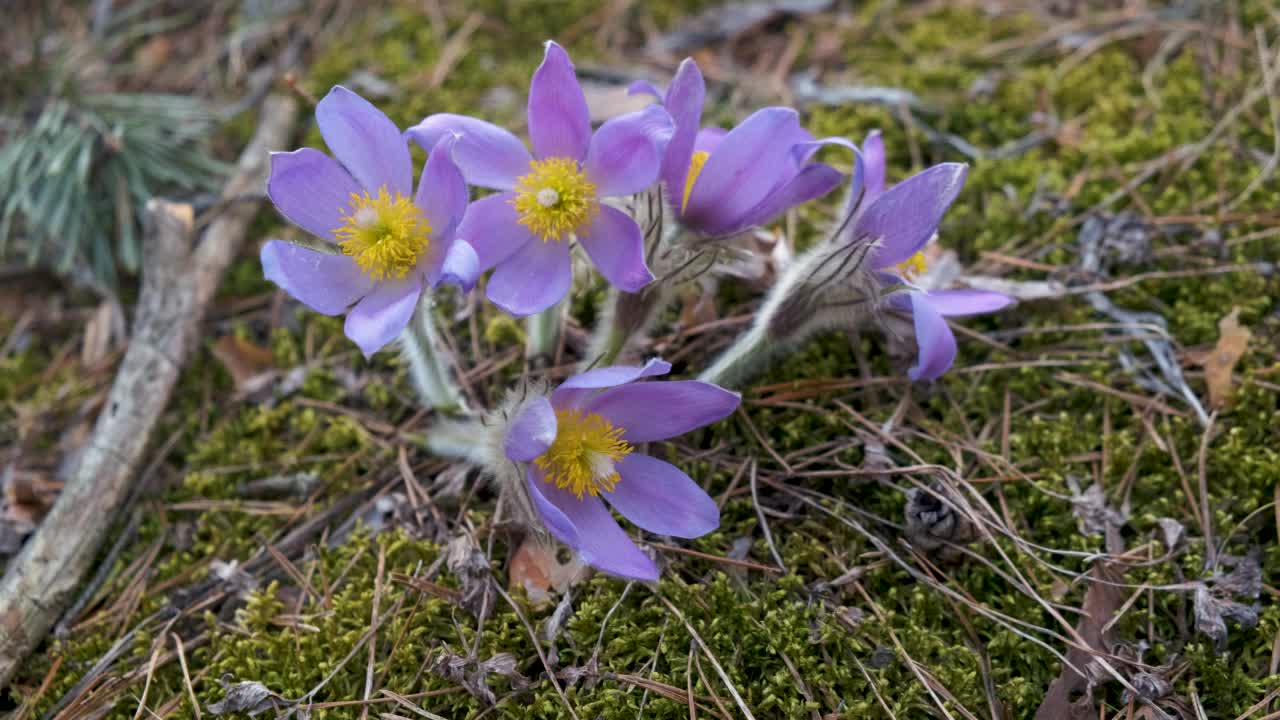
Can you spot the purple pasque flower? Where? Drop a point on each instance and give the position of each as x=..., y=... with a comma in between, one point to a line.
x=390, y=243
x=580, y=449
x=555, y=194
x=723, y=182
x=903, y=219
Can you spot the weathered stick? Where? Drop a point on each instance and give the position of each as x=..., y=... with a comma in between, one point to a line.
x=177, y=285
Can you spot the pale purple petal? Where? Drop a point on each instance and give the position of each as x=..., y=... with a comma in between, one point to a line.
x=365, y=141
x=958, y=303
x=383, y=314
x=708, y=139
x=659, y=497
x=488, y=155
x=625, y=154
x=873, y=156
x=744, y=168
x=460, y=267
x=855, y=197
x=907, y=214
x=684, y=101
x=311, y=189
x=812, y=182
x=326, y=283
x=559, y=123
x=573, y=391
x=936, y=343
x=592, y=532
x=644, y=87
x=616, y=245
x=556, y=522
x=661, y=410
x=442, y=193
x=533, y=279
x=532, y=431
x=492, y=228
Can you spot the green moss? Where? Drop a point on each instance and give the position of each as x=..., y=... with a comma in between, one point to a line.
x=766, y=631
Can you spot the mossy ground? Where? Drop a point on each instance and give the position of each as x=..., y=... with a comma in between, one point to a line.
x=791, y=645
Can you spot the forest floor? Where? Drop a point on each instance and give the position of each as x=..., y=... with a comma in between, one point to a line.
x=1084, y=479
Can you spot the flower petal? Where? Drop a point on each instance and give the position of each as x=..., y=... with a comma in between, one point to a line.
x=365, y=141
x=907, y=214
x=661, y=410
x=708, y=139
x=578, y=387
x=382, y=314
x=559, y=123
x=442, y=193
x=556, y=522
x=660, y=498
x=493, y=230
x=460, y=267
x=644, y=87
x=684, y=100
x=957, y=303
x=747, y=164
x=594, y=533
x=616, y=245
x=326, y=283
x=311, y=189
x=873, y=157
x=812, y=182
x=625, y=154
x=937, y=346
x=488, y=155
x=533, y=279
x=532, y=431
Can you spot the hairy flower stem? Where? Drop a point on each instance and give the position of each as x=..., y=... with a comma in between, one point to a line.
x=544, y=331
x=749, y=355
x=429, y=364
x=457, y=439
x=624, y=316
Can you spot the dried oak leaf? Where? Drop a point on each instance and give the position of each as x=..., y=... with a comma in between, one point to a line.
x=1219, y=363
x=535, y=568
x=249, y=364
x=465, y=560
x=1217, y=599
x=252, y=698
x=474, y=676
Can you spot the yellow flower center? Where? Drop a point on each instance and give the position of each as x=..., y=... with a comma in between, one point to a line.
x=555, y=198
x=913, y=266
x=583, y=454
x=695, y=168
x=385, y=235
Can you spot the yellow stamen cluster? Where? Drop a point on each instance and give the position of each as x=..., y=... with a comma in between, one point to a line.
x=913, y=266
x=583, y=454
x=385, y=235
x=695, y=168
x=555, y=198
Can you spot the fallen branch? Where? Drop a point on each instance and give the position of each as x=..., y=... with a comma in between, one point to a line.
x=177, y=284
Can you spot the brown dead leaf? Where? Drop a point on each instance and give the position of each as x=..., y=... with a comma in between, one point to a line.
x=1219, y=363
x=1070, y=696
x=247, y=362
x=154, y=54
x=534, y=568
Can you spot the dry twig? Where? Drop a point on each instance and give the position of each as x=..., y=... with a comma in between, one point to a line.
x=177, y=285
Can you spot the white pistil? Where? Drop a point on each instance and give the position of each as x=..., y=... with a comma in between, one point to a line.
x=548, y=197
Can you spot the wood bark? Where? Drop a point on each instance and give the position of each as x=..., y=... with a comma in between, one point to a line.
x=178, y=281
